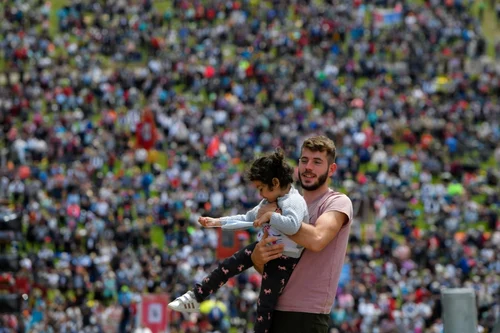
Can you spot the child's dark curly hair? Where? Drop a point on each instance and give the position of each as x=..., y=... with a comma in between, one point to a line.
x=272, y=165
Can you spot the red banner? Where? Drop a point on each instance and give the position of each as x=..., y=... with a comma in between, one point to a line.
x=146, y=130
x=213, y=147
x=153, y=312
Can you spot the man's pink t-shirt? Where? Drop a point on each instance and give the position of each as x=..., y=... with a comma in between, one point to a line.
x=313, y=284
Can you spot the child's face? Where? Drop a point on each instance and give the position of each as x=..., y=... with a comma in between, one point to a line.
x=268, y=193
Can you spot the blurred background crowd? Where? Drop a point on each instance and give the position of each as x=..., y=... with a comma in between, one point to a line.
x=122, y=121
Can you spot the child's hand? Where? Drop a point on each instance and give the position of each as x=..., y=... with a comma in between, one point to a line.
x=264, y=218
x=209, y=222
x=269, y=207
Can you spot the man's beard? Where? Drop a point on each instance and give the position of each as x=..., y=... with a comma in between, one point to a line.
x=321, y=180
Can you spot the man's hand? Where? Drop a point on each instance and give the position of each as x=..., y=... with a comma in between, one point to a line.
x=209, y=222
x=266, y=251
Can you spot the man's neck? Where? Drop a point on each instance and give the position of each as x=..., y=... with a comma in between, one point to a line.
x=311, y=196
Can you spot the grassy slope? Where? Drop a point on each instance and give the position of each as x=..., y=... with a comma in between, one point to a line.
x=490, y=26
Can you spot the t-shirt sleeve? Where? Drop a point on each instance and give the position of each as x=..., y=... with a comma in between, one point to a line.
x=339, y=203
x=293, y=213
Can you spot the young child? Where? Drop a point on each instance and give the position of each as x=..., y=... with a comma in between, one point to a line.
x=272, y=176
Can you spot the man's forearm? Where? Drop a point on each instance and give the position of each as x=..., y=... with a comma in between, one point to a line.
x=316, y=237
x=306, y=236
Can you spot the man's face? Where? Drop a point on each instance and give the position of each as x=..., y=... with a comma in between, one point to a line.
x=313, y=169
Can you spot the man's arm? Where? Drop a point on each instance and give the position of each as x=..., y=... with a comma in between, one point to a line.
x=315, y=238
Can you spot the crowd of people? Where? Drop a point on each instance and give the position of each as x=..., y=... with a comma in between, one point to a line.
x=123, y=119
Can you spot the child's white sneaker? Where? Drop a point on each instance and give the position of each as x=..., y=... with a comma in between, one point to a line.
x=185, y=303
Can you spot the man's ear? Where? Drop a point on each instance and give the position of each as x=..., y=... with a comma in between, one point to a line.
x=331, y=169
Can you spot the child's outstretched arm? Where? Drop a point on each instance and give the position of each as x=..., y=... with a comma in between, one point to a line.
x=234, y=220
